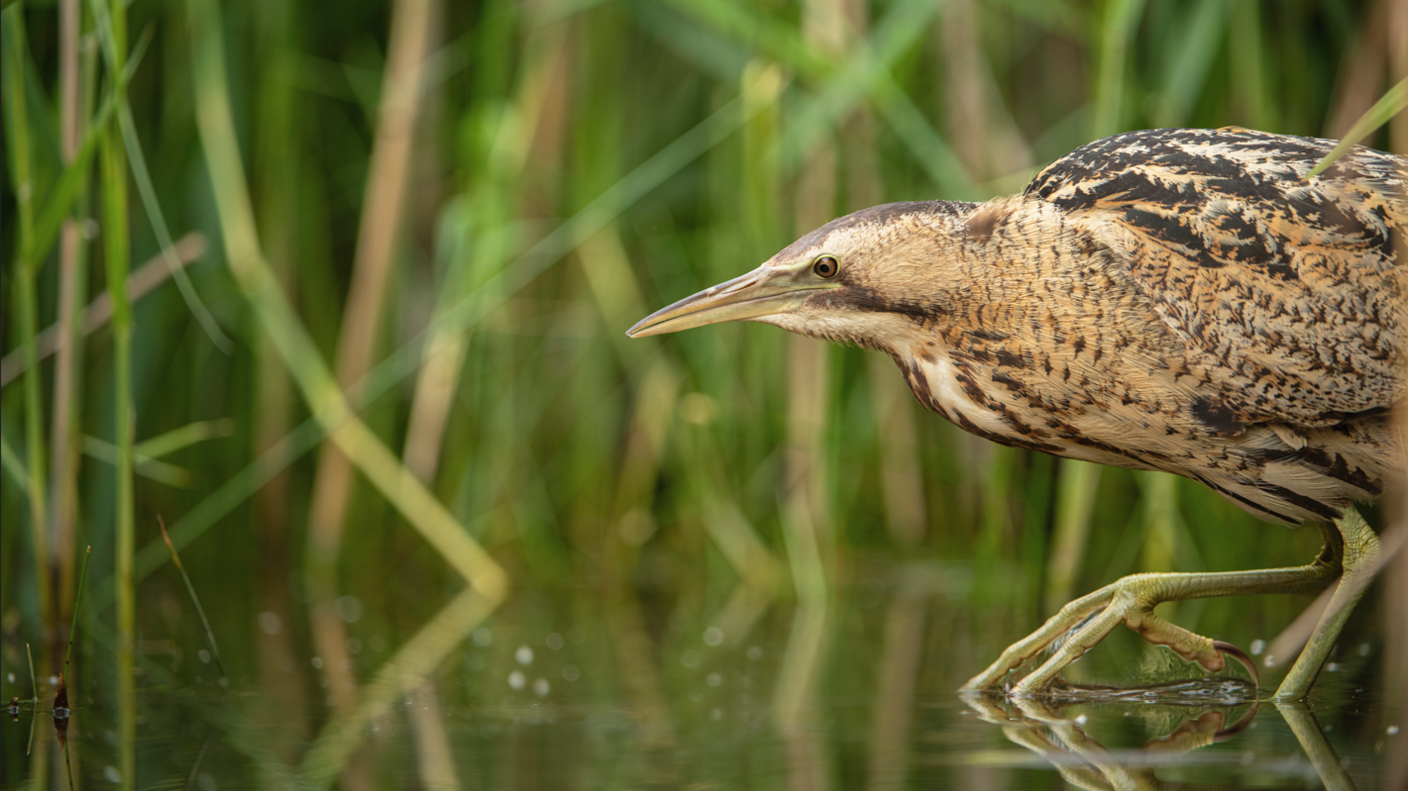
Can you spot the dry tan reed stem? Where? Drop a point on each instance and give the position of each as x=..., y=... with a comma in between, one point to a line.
x=63, y=473
x=294, y=344
x=382, y=210
x=140, y=283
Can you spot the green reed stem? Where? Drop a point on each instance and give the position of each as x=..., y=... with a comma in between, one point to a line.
x=12, y=464
x=16, y=113
x=117, y=252
x=66, y=190
x=1116, y=34
x=1389, y=105
x=291, y=339
x=107, y=32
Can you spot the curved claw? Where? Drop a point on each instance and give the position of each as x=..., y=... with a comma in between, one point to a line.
x=1241, y=656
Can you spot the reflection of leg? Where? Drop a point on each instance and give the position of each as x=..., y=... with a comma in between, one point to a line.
x=1317, y=749
x=1041, y=725
x=1131, y=601
x=1361, y=561
x=1030, y=727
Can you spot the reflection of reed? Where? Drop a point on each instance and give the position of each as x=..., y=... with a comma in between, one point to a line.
x=640, y=681
x=896, y=682
x=406, y=670
x=795, y=702
x=434, y=755
x=1317, y=749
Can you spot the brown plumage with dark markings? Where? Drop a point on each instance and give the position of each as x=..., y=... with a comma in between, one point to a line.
x=1174, y=299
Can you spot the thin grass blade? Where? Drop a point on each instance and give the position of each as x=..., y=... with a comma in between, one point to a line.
x=1392, y=103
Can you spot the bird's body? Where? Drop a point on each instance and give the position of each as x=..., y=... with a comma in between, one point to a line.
x=1200, y=311
x=1181, y=300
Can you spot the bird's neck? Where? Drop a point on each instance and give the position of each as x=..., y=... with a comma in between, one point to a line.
x=1014, y=267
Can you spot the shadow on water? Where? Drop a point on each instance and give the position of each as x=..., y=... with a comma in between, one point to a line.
x=569, y=689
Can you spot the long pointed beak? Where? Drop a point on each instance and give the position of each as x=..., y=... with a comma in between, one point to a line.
x=762, y=292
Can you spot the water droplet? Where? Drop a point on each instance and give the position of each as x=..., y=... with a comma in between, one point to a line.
x=689, y=657
x=714, y=679
x=1392, y=730
x=570, y=673
x=111, y=774
x=517, y=680
x=482, y=637
x=554, y=641
x=354, y=646
x=524, y=655
x=270, y=622
x=713, y=636
x=349, y=608
x=1332, y=667
x=716, y=714
x=697, y=408
x=204, y=656
x=541, y=687
x=317, y=663
x=1082, y=719
x=1257, y=647
x=678, y=619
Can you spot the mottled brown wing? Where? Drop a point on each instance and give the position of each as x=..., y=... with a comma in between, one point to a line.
x=1288, y=290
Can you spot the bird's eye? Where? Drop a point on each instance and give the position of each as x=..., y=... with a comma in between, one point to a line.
x=826, y=267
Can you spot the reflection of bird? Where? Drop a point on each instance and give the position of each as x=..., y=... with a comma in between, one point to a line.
x=1175, y=299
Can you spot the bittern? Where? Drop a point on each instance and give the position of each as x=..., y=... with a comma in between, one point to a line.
x=1182, y=300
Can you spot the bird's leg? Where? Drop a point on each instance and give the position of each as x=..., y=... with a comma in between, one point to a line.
x=1131, y=600
x=1360, y=563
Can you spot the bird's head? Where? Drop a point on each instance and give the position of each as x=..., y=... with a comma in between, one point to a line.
x=853, y=280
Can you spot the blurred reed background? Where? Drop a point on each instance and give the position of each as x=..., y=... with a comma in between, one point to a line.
x=442, y=216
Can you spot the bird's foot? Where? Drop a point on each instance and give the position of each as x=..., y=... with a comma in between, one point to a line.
x=1087, y=620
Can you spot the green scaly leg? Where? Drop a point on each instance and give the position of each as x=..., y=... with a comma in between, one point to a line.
x=1131, y=601
x=1361, y=562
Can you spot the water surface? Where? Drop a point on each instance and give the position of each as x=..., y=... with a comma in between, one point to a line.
x=591, y=689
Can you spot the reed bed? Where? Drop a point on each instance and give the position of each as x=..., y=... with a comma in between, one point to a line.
x=397, y=372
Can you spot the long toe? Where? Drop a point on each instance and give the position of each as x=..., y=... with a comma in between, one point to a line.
x=1190, y=646
x=1074, y=647
x=1022, y=651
